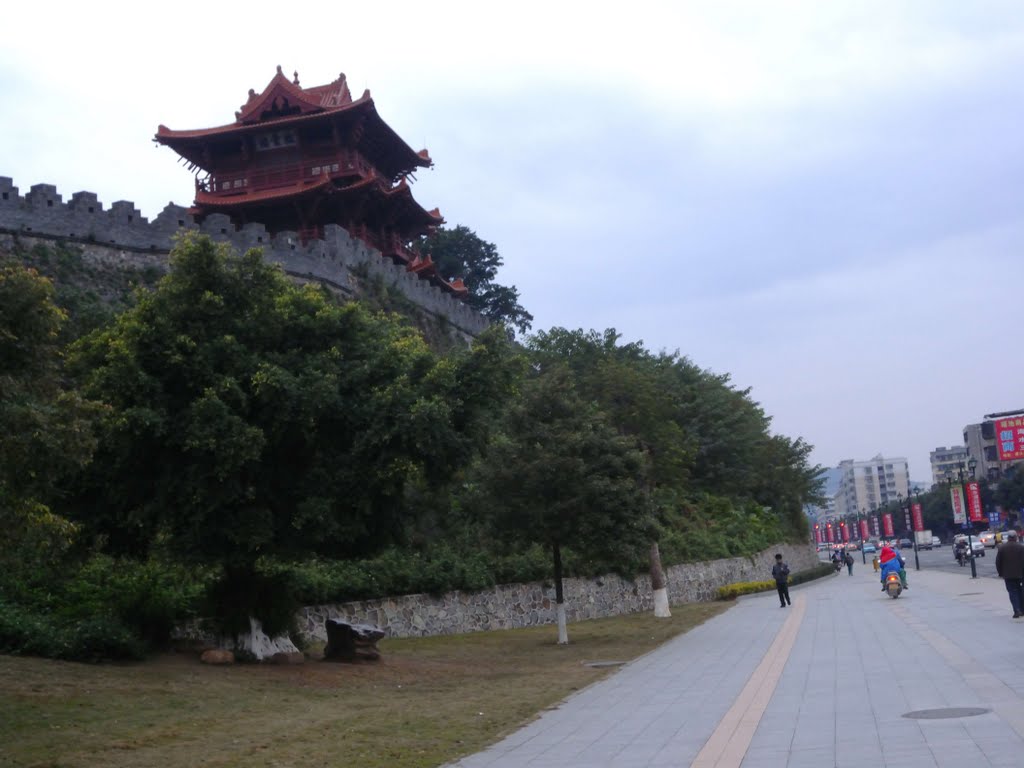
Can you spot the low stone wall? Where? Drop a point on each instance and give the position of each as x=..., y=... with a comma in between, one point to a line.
x=508, y=606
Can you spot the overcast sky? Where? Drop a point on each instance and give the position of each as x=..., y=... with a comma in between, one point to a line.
x=823, y=200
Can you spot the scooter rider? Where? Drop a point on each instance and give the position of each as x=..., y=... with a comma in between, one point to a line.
x=890, y=563
x=961, y=550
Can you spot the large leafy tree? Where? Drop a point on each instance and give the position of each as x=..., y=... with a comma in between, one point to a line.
x=251, y=416
x=707, y=444
x=459, y=252
x=561, y=476
x=45, y=430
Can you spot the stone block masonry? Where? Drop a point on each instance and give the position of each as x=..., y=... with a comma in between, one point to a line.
x=510, y=606
x=338, y=260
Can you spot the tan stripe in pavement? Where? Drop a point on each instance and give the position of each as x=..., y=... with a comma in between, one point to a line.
x=729, y=743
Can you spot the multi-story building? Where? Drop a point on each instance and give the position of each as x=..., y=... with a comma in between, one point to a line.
x=946, y=461
x=866, y=485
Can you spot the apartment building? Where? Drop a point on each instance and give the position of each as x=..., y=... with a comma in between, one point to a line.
x=866, y=485
x=946, y=461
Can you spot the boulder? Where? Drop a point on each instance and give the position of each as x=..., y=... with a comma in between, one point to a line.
x=217, y=656
x=351, y=642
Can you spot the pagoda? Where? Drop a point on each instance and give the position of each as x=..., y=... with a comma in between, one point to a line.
x=296, y=159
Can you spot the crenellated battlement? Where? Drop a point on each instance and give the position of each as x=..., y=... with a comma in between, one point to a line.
x=336, y=259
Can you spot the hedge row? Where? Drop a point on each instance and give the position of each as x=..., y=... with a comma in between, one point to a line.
x=732, y=591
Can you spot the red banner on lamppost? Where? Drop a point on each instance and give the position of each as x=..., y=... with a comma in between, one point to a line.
x=829, y=533
x=817, y=534
x=864, y=530
x=918, y=515
x=887, y=524
x=974, y=510
x=845, y=531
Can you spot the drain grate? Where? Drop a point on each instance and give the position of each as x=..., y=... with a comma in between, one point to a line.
x=602, y=664
x=948, y=712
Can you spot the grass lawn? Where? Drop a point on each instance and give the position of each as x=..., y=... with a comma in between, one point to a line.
x=429, y=700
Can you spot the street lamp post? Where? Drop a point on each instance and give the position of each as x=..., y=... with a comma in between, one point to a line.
x=860, y=530
x=917, y=494
x=970, y=524
x=913, y=533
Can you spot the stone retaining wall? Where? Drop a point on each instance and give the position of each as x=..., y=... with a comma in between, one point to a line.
x=508, y=606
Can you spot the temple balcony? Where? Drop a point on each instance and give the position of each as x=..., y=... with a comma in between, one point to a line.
x=338, y=165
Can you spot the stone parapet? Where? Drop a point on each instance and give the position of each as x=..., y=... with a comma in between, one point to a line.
x=338, y=259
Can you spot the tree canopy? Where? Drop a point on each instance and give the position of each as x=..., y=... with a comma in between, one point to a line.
x=251, y=416
x=459, y=252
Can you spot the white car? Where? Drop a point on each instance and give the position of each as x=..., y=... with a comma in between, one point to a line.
x=988, y=538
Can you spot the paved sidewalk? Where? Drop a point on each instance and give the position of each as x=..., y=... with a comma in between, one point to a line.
x=826, y=682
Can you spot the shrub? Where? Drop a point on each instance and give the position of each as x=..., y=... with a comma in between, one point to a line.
x=732, y=591
x=98, y=638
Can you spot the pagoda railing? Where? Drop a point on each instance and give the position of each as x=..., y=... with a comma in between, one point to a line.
x=308, y=171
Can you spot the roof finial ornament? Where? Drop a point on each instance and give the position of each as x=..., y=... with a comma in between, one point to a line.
x=279, y=70
x=296, y=80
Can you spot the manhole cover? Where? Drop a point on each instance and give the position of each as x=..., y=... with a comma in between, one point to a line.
x=948, y=712
x=968, y=594
x=601, y=664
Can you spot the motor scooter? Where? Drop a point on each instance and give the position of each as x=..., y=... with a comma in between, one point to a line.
x=893, y=585
x=837, y=566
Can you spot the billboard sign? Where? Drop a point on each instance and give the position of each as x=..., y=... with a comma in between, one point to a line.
x=956, y=500
x=887, y=524
x=1010, y=438
x=974, y=511
x=918, y=514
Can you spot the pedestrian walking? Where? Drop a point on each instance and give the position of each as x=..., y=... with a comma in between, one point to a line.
x=1010, y=567
x=874, y=563
x=780, y=571
x=849, y=564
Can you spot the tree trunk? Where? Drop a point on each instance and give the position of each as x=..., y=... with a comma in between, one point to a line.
x=661, y=609
x=563, y=634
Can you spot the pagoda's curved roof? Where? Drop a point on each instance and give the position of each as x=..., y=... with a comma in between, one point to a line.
x=284, y=104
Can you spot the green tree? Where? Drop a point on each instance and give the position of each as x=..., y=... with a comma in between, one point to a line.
x=461, y=253
x=252, y=417
x=45, y=431
x=561, y=476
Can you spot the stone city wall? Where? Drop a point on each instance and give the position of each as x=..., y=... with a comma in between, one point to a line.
x=509, y=606
x=122, y=230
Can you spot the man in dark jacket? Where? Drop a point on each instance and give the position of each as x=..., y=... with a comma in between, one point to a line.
x=1010, y=567
x=780, y=571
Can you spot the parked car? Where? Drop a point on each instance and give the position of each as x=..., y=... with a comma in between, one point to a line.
x=869, y=548
x=988, y=538
x=936, y=541
x=906, y=544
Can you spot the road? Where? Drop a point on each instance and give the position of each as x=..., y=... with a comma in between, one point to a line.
x=941, y=559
